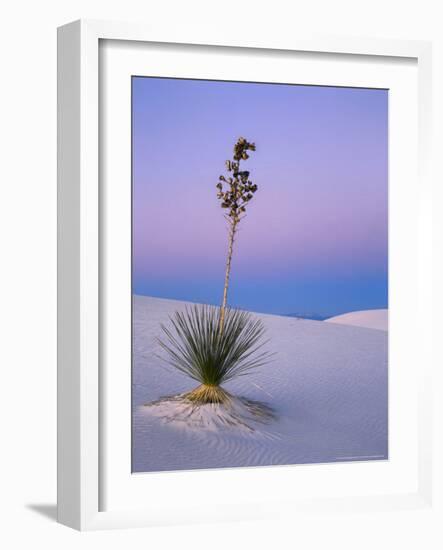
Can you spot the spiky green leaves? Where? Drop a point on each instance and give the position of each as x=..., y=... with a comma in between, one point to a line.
x=235, y=192
x=195, y=346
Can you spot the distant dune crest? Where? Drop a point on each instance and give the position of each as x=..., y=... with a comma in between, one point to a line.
x=371, y=318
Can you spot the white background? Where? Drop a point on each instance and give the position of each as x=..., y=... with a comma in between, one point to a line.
x=28, y=266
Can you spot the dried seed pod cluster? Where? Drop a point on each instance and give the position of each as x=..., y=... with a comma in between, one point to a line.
x=237, y=190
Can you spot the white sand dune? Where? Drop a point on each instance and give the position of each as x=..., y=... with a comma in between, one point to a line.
x=327, y=385
x=370, y=318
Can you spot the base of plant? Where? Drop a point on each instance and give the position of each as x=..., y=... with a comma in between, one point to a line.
x=206, y=393
x=212, y=408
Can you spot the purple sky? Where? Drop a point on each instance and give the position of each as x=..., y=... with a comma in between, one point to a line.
x=315, y=236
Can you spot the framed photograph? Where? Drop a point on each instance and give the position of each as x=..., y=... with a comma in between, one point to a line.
x=244, y=276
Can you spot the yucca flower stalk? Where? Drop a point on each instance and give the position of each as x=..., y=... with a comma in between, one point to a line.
x=235, y=192
x=212, y=344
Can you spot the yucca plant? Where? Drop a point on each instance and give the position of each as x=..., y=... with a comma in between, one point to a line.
x=212, y=344
x=196, y=347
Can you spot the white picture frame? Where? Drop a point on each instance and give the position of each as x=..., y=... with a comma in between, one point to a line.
x=81, y=411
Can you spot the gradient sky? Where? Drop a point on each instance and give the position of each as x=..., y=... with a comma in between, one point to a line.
x=315, y=236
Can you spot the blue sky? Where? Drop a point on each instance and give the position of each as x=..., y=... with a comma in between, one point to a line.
x=315, y=236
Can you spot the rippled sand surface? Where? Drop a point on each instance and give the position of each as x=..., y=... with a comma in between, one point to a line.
x=327, y=388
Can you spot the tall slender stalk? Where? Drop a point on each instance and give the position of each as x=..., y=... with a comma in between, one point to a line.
x=232, y=231
x=239, y=192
